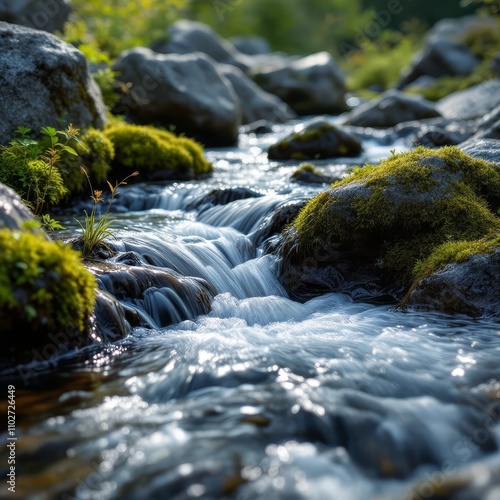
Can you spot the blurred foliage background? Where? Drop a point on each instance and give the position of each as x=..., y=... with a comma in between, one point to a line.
x=373, y=40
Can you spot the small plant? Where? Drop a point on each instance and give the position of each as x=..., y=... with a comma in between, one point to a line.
x=96, y=230
x=32, y=167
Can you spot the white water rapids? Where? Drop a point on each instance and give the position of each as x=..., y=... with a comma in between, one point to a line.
x=263, y=397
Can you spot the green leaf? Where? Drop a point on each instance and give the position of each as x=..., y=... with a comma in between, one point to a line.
x=22, y=131
x=69, y=150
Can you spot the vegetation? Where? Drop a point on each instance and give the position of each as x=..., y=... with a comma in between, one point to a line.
x=401, y=210
x=150, y=149
x=96, y=229
x=42, y=283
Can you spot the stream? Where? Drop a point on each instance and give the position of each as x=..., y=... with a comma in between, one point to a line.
x=263, y=397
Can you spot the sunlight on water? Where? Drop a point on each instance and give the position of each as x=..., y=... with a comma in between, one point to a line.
x=262, y=397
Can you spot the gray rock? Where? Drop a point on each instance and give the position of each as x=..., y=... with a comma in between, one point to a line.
x=256, y=104
x=13, y=212
x=318, y=138
x=185, y=90
x=44, y=80
x=46, y=15
x=391, y=108
x=455, y=28
x=309, y=85
x=484, y=149
x=440, y=58
x=488, y=127
x=474, y=102
x=251, y=45
x=186, y=36
x=469, y=287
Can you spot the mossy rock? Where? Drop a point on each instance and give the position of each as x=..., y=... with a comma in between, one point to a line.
x=458, y=278
x=318, y=139
x=156, y=153
x=382, y=219
x=309, y=174
x=44, y=290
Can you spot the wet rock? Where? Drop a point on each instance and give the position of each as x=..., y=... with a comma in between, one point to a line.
x=309, y=85
x=308, y=174
x=40, y=15
x=484, y=149
x=489, y=126
x=186, y=36
x=258, y=127
x=364, y=235
x=435, y=137
x=274, y=223
x=44, y=79
x=474, y=102
x=187, y=91
x=221, y=197
x=470, y=287
x=255, y=103
x=160, y=297
x=391, y=108
x=318, y=138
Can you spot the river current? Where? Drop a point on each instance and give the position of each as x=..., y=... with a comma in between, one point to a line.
x=263, y=397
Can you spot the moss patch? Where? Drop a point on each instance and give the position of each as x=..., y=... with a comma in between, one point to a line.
x=43, y=285
x=149, y=149
x=399, y=211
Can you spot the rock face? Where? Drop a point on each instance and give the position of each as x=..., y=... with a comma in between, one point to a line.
x=44, y=79
x=474, y=102
x=391, y=108
x=13, y=212
x=309, y=85
x=255, y=103
x=470, y=287
x=364, y=235
x=184, y=90
x=317, y=139
x=47, y=15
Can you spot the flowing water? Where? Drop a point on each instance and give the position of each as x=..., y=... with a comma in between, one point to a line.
x=263, y=397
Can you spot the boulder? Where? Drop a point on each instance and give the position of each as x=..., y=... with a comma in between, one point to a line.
x=309, y=85
x=46, y=15
x=483, y=149
x=488, y=127
x=44, y=80
x=255, y=103
x=365, y=234
x=439, y=58
x=391, y=108
x=466, y=285
x=251, y=45
x=317, y=138
x=186, y=36
x=186, y=91
x=13, y=212
x=471, y=103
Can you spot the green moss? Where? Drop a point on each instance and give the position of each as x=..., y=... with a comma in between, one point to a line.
x=313, y=133
x=452, y=252
x=459, y=199
x=305, y=168
x=43, y=284
x=147, y=149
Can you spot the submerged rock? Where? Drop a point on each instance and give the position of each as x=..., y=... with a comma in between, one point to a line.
x=365, y=234
x=391, y=108
x=186, y=91
x=221, y=197
x=44, y=80
x=318, y=138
